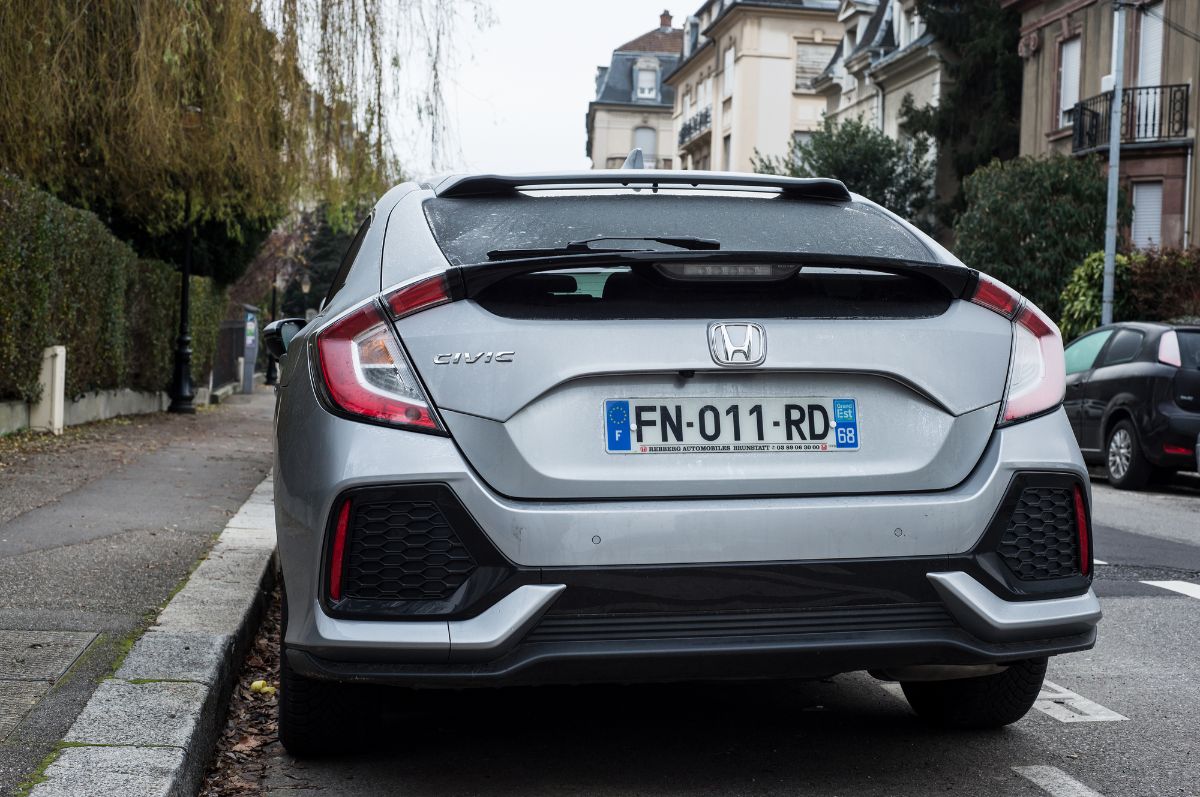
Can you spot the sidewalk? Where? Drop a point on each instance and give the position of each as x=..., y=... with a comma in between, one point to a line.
x=117, y=521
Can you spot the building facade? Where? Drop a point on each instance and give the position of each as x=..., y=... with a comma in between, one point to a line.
x=633, y=104
x=744, y=83
x=1069, y=64
x=883, y=57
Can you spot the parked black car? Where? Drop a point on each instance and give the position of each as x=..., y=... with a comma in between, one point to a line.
x=1133, y=399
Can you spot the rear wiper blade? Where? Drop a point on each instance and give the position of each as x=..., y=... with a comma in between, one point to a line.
x=585, y=247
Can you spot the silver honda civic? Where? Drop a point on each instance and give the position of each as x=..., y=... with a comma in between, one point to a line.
x=630, y=426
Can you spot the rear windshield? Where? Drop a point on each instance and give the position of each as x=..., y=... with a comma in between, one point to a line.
x=1189, y=349
x=641, y=292
x=468, y=228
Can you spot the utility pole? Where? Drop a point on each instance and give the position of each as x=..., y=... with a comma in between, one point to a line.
x=1114, y=165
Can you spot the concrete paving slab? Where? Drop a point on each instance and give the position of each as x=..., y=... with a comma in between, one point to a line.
x=232, y=566
x=140, y=771
x=40, y=655
x=123, y=713
x=16, y=698
x=172, y=656
x=211, y=607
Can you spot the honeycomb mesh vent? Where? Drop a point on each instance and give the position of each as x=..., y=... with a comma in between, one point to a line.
x=403, y=550
x=1040, y=540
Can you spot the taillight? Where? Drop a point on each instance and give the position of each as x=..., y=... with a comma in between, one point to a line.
x=417, y=296
x=1174, y=450
x=367, y=373
x=1083, y=529
x=996, y=296
x=1168, y=349
x=337, y=551
x=1037, y=372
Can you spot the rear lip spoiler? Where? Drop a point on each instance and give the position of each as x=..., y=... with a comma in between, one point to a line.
x=476, y=185
x=470, y=280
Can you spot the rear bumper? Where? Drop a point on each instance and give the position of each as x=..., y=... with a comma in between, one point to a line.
x=671, y=589
x=640, y=661
x=515, y=641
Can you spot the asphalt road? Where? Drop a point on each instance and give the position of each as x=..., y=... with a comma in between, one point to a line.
x=1122, y=719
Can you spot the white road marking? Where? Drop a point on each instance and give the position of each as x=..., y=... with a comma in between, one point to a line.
x=1066, y=706
x=1182, y=587
x=1054, y=781
x=1099, y=562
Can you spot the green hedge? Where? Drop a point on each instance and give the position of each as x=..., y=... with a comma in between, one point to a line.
x=65, y=279
x=1151, y=285
x=1031, y=221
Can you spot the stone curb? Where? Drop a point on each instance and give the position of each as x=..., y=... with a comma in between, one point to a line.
x=151, y=729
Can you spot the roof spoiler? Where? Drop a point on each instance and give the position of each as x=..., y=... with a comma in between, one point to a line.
x=480, y=185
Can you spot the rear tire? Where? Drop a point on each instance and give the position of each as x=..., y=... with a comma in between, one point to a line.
x=1127, y=467
x=313, y=715
x=990, y=701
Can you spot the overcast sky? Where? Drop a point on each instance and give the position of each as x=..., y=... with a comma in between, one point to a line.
x=520, y=90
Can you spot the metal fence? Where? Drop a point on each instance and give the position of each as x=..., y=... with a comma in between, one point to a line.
x=1148, y=113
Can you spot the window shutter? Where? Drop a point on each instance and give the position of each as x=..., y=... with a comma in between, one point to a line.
x=1150, y=45
x=1147, y=214
x=727, y=78
x=1068, y=80
x=811, y=59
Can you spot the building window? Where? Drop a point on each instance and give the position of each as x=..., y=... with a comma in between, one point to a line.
x=799, y=139
x=727, y=80
x=647, y=84
x=727, y=153
x=1150, y=46
x=1147, y=215
x=646, y=139
x=811, y=60
x=1068, y=80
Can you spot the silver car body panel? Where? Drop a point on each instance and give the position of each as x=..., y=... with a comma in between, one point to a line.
x=990, y=617
x=485, y=636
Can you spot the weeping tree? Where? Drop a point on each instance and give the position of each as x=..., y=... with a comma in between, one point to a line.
x=230, y=115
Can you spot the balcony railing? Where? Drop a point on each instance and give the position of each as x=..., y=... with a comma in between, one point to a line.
x=700, y=122
x=1148, y=114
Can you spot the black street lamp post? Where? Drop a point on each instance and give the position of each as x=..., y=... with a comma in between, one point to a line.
x=182, y=394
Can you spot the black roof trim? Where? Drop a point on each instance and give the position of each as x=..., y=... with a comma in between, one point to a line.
x=495, y=184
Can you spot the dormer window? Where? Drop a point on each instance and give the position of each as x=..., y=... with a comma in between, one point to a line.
x=647, y=84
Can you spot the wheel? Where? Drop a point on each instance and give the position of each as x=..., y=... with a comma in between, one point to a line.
x=1127, y=467
x=990, y=701
x=313, y=715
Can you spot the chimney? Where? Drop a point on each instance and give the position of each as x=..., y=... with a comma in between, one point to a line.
x=664, y=20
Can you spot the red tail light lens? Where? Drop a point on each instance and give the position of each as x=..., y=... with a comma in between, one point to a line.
x=996, y=296
x=337, y=551
x=367, y=373
x=1183, y=451
x=1037, y=373
x=1084, y=530
x=418, y=296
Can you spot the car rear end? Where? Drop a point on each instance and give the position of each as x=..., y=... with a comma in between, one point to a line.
x=824, y=446
x=1174, y=431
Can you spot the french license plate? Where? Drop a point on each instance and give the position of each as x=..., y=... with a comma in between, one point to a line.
x=702, y=425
